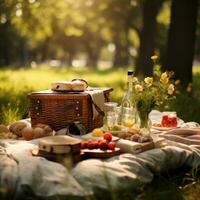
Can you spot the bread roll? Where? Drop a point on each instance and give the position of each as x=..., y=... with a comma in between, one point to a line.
x=17, y=128
x=3, y=129
x=78, y=85
x=61, y=86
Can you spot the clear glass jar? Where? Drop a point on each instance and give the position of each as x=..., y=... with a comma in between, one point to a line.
x=128, y=118
x=111, y=117
x=169, y=119
x=172, y=119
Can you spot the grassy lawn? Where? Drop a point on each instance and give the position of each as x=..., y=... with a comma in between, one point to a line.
x=16, y=83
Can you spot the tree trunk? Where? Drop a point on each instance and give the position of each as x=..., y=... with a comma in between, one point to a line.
x=121, y=57
x=181, y=39
x=147, y=36
x=93, y=56
x=24, y=52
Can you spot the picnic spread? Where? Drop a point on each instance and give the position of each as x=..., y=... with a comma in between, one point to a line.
x=77, y=143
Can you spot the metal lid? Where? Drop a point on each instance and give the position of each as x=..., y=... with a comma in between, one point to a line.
x=130, y=73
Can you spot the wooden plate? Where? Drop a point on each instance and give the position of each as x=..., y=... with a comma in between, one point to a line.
x=97, y=153
x=57, y=157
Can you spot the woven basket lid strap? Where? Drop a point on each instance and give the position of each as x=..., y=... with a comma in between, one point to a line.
x=98, y=109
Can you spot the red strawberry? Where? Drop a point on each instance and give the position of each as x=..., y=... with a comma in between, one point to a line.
x=84, y=145
x=96, y=144
x=91, y=145
x=103, y=145
x=111, y=146
x=107, y=136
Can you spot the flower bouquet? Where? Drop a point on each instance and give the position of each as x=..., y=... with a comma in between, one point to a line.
x=152, y=92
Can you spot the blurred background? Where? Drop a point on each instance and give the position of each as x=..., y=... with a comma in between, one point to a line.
x=109, y=33
x=46, y=40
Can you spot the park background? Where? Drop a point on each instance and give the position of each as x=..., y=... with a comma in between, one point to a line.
x=46, y=40
x=99, y=40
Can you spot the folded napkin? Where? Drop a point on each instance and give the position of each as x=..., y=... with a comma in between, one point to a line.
x=97, y=96
x=189, y=136
x=127, y=146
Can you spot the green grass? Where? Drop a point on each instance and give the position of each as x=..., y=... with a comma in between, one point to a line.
x=16, y=83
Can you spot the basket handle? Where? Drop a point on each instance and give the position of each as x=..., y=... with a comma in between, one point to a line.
x=101, y=112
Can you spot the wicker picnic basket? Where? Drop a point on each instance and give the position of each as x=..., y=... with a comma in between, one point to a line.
x=59, y=109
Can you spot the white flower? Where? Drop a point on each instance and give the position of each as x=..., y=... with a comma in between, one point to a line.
x=170, y=89
x=135, y=79
x=148, y=80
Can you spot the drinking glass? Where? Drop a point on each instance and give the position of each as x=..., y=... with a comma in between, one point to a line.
x=172, y=119
x=128, y=118
x=109, y=106
x=169, y=119
x=111, y=116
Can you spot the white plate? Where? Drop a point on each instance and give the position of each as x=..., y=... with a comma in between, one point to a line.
x=97, y=153
x=115, y=132
x=89, y=136
x=160, y=128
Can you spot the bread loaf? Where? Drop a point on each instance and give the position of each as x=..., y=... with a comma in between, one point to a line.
x=61, y=86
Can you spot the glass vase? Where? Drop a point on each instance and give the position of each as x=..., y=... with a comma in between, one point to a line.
x=144, y=122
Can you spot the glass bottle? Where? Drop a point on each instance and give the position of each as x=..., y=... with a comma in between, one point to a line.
x=128, y=110
x=127, y=99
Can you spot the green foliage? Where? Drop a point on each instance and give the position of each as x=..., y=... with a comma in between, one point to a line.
x=47, y=29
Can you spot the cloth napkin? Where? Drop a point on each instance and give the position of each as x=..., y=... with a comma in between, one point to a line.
x=189, y=136
x=97, y=96
x=127, y=146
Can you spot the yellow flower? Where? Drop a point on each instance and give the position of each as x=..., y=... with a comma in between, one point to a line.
x=170, y=89
x=148, y=80
x=154, y=57
x=154, y=90
x=189, y=88
x=138, y=88
x=135, y=79
x=164, y=78
x=177, y=82
x=164, y=75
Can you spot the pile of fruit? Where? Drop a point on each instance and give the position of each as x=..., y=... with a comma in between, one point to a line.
x=102, y=144
x=23, y=130
x=38, y=131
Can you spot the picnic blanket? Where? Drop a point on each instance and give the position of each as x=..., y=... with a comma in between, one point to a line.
x=20, y=172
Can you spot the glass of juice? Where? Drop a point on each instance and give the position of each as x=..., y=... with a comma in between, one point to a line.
x=164, y=121
x=172, y=119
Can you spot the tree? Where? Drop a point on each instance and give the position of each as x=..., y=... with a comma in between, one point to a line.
x=147, y=36
x=181, y=39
